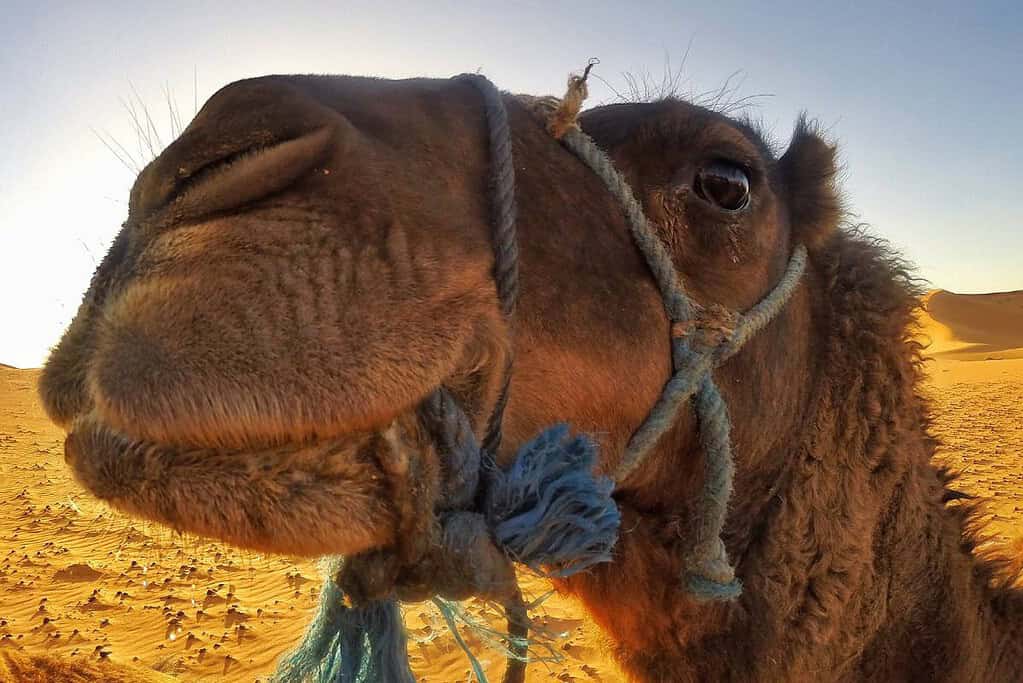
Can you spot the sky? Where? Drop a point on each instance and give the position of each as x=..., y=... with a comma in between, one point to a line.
x=924, y=100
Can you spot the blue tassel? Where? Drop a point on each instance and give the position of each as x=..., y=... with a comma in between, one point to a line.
x=349, y=645
x=548, y=510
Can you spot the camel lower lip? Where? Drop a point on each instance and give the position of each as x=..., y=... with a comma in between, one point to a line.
x=328, y=497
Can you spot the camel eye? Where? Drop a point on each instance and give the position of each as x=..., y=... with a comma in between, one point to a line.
x=724, y=185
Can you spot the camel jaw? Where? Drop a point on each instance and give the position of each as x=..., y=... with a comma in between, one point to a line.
x=336, y=495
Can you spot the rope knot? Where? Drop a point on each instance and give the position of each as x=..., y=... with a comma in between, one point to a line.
x=564, y=116
x=709, y=328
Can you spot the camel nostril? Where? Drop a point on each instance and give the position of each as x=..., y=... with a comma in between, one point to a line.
x=234, y=179
x=243, y=121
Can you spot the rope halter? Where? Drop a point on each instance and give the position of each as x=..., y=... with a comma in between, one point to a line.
x=546, y=510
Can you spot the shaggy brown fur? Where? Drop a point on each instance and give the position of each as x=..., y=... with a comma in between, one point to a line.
x=311, y=258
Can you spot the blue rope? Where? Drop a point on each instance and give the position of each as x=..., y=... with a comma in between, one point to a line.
x=710, y=576
x=449, y=618
x=503, y=233
x=364, y=644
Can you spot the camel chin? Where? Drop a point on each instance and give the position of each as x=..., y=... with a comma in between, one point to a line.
x=325, y=496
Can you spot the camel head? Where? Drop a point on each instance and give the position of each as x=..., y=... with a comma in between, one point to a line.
x=312, y=258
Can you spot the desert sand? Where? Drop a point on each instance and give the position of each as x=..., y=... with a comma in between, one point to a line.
x=975, y=373
x=80, y=581
x=87, y=584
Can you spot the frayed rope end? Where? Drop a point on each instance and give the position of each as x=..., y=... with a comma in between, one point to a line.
x=365, y=644
x=549, y=510
x=709, y=575
x=564, y=116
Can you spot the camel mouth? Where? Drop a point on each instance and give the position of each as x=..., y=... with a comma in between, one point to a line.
x=333, y=495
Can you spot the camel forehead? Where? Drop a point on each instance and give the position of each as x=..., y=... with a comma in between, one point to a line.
x=378, y=104
x=401, y=99
x=676, y=123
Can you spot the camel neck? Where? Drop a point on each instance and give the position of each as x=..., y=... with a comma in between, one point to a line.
x=853, y=568
x=952, y=617
x=898, y=599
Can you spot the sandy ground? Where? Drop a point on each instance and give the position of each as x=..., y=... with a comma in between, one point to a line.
x=79, y=580
x=976, y=383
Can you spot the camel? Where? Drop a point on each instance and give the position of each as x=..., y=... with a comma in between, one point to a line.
x=311, y=259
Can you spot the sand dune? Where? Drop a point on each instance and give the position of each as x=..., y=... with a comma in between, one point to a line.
x=97, y=590
x=974, y=326
x=976, y=386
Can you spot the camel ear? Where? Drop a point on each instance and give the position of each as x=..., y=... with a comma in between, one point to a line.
x=809, y=172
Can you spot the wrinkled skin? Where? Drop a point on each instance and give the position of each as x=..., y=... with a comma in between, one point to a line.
x=311, y=259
